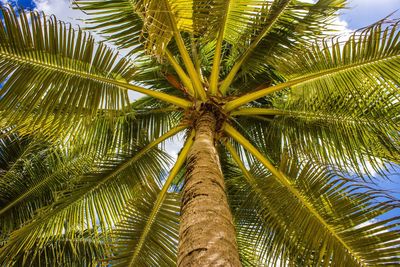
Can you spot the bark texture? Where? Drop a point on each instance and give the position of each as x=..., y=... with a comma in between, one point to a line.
x=207, y=234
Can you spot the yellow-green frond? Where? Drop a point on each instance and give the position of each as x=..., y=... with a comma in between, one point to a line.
x=368, y=58
x=92, y=201
x=283, y=231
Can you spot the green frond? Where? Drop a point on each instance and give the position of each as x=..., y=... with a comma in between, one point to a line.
x=343, y=142
x=285, y=181
x=124, y=23
x=368, y=59
x=161, y=245
x=145, y=118
x=154, y=230
x=30, y=63
x=82, y=249
x=28, y=184
x=283, y=231
x=162, y=21
x=117, y=21
x=89, y=77
x=303, y=24
x=109, y=129
x=92, y=202
x=322, y=130
x=278, y=28
x=130, y=24
x=226, y=21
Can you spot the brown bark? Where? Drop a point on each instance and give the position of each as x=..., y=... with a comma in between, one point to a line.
x=207, y=234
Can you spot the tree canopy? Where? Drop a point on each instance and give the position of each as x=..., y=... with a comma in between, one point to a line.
x=302, y=119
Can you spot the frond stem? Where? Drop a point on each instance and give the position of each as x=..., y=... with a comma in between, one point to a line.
x=194, y=76
x=326, y=117
x=258, y=111
x=181, y=73
x=217, y=53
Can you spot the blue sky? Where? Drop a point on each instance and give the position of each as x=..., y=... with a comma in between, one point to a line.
x=364, y=12
x=27, y=4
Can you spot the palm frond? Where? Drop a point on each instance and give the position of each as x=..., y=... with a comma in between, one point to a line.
x=92, y=202
x=343, y=142
x=287, y=233
x=369, y=58
x=222, y=19
x=303, y=24
x=146, y=22
x=124, y=24
x=117, y=21
x=304, y=200
x=89, y=77
x=160, y=246
x=230, y=20
x=31, y=63
x=281, y=26
x=81, y=249
x=108, y=130
x=322, y=129
x=141, y=242
x=28, y=184
x=146, y=117
x=142, y=252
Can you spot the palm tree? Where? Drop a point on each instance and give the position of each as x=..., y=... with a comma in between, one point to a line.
x=282, y=126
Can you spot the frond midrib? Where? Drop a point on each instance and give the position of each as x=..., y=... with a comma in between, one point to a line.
x=302, y=79
x=309, y=115
x=188, y=63
x=52, y=67
x=123, y=84
x=217, y=54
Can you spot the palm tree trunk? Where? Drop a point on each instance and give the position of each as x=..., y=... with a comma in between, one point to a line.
x=207, y=234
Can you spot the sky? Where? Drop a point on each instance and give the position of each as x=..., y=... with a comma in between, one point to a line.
x=360, y=13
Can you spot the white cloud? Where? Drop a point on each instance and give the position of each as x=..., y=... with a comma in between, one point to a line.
x=340, y=26
x=341, y=29
x=61, y=9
